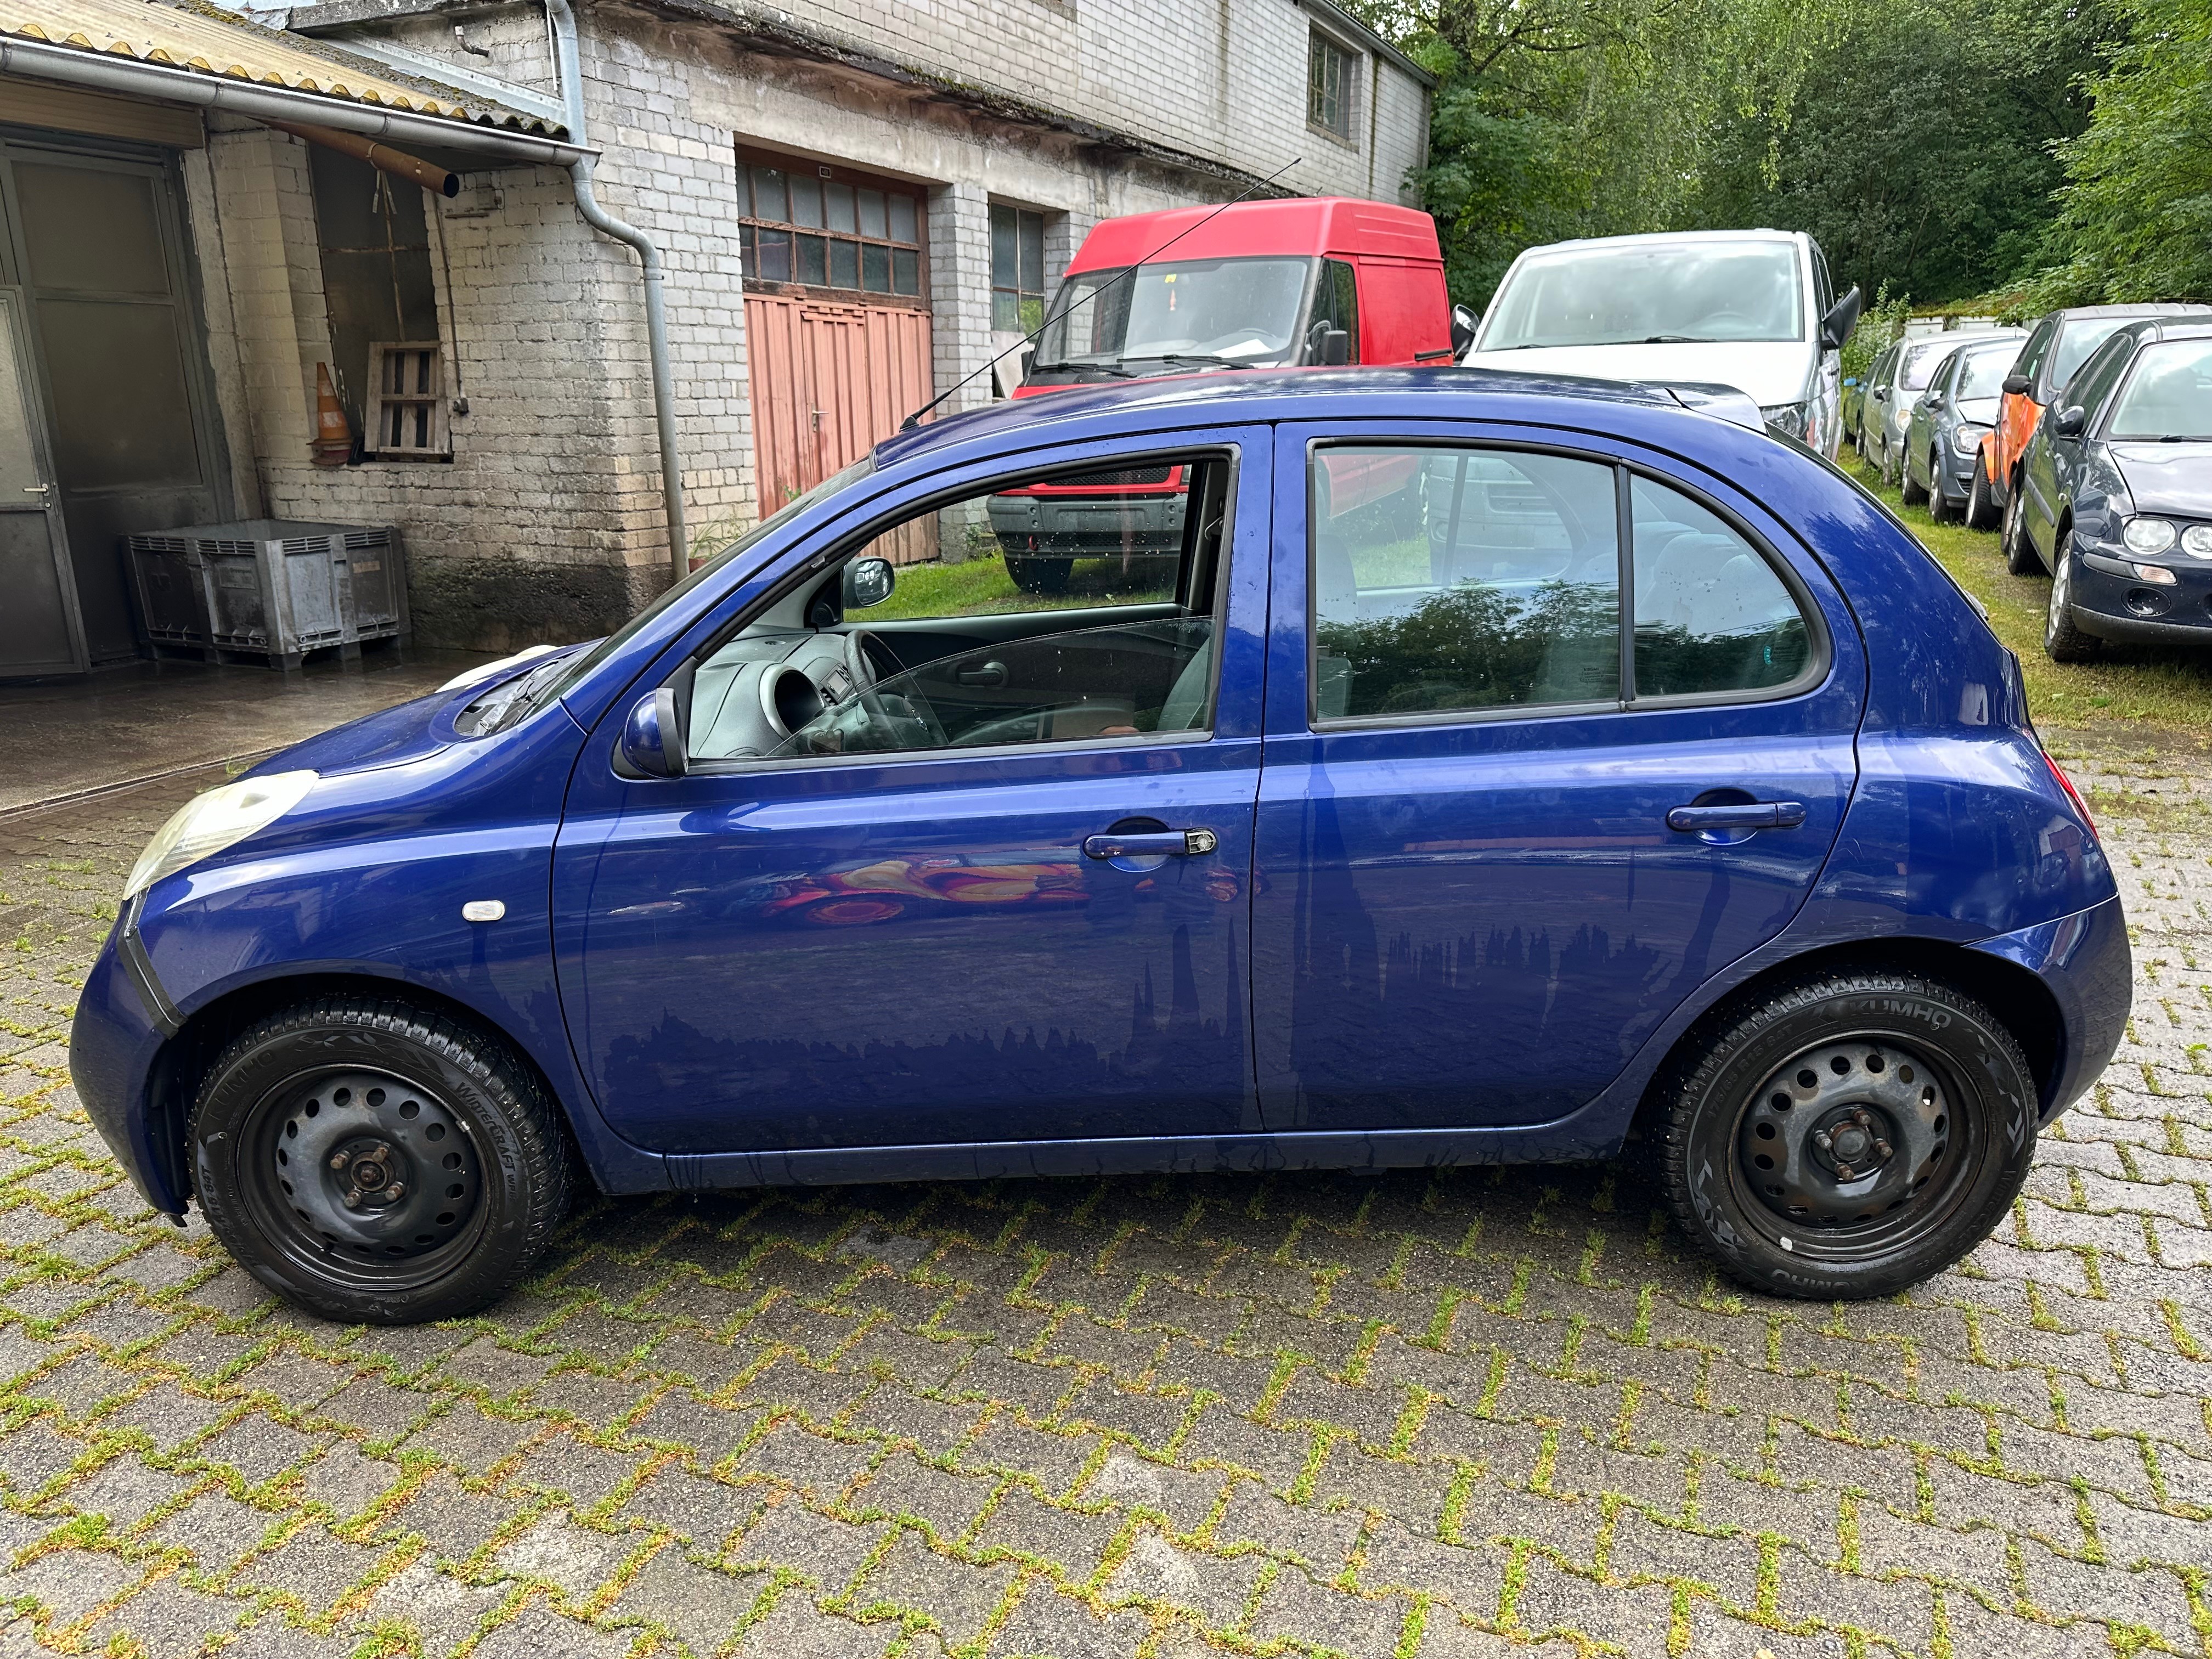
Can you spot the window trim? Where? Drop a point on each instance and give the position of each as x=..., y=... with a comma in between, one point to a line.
x=812, y=569
x=1820, y=659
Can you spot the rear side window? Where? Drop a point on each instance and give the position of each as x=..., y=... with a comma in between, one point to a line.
x=1473, y=579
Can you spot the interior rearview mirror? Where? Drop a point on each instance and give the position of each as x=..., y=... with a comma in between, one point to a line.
x=1464, y=322
x=2069, y=421
x=652, y=737
x=2017, y=385
x=868, y=581
x=1843, y=317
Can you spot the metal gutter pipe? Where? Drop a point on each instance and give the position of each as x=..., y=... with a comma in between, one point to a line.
x=74, y=67
x=562, y=18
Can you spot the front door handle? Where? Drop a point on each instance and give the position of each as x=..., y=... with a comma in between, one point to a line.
x=990, y=673
x=1176, y=843
x=1739, y=815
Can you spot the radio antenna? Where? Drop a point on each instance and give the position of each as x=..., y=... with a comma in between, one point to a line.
x=915, y=419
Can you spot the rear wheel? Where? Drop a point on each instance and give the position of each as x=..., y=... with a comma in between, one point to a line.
x=2063, y=640
x=1850, y=1134
x=2021, y=556
x=377, y=1163
x=1981, y=508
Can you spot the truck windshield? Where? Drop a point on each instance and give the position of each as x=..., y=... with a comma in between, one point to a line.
x=1648, y=294
x=1242, y=313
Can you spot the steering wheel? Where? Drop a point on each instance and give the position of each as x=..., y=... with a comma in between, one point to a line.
x=862, y=668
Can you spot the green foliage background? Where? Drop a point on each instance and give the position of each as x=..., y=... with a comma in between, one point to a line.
x=2035, y=151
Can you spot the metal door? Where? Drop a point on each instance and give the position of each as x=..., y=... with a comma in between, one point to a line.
x=98, y=241
x=39, y=631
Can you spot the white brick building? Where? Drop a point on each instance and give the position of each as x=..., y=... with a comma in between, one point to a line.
x=532, y=505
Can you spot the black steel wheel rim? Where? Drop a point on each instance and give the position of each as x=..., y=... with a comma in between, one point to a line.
x=363, y=1178
x=1853, y=1148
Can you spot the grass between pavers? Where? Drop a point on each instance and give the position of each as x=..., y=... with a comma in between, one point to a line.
x=2150, y=685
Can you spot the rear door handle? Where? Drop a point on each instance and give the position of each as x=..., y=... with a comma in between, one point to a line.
x=1177, y=843
x=1744, y=815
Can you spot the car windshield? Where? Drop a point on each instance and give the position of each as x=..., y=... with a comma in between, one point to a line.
x=2169, y=396
x=1983, y=374
x=554, y=687
x=1241, y=311
x=2076, y=342
x=1650, y=294
x=1922, y=361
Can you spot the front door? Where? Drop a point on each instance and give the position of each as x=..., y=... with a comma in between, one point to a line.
x=1470, y=907
x=876, y=912
x=38, y=629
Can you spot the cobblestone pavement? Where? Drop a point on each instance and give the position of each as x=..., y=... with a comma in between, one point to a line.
x=1459, y=1414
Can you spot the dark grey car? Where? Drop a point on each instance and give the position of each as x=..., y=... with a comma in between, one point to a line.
x=1947, y=425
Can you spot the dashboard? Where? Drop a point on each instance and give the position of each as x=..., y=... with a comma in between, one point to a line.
x=760, y=688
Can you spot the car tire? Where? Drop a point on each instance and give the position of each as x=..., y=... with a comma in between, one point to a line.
x=373, y=1163
x=1940, y=509
x=1911, y=494
x=2019, y=554
x=1921, y=1082
x=1981, y=512
x=1047, y=578
x=2063, y=638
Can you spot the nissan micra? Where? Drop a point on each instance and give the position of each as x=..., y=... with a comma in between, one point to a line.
x=1507, y=769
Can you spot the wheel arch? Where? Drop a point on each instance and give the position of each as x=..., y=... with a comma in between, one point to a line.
x=182, y=1064
x=2014, y=993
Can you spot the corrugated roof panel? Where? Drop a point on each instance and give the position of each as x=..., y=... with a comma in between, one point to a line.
x=207, y=41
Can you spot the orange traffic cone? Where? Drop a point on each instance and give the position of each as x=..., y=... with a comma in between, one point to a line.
x=333, y=445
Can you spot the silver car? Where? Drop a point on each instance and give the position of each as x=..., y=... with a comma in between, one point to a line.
x=1945, y=435
x=1890, y=404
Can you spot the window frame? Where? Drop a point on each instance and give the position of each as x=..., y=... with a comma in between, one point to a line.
x=747, y=224
x=842, y=548
x=377, y=401
x=1043, y=294
x=1320, y=46
x=1820, y=655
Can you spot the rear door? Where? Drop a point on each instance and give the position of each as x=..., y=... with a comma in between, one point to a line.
x=1470, y=907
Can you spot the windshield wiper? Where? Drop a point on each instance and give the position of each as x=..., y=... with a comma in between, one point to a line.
x=1678, y=339
x=1184, y=357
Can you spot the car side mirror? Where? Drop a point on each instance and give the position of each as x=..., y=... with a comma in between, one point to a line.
x=1328, y=346
x=652, y=737
x=1934, y=400
x=2070, y=421
x=1880, y=394
x=1850, y=381
x=1843, y=317
x=868, y=581
x=1464, y=322
x=2017, y=385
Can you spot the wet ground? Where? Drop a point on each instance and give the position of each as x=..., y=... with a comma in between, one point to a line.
x=1460, y=1414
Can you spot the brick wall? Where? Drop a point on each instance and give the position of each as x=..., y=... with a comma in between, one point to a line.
x=548, y=522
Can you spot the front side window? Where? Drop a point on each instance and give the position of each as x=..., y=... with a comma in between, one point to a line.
x=1238, y=313
x=1477, y=579
x=2169, y=396
x=2037, y=348
x=1648, y=294
x=1330, y=83
x=2094, y=380
x=971, y=649
x=2076, y=342
x=1336, y=306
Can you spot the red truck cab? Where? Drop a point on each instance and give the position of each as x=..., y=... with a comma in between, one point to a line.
x=1309, y=282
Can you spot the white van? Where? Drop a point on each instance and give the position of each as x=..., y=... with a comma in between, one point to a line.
x=1752, y=309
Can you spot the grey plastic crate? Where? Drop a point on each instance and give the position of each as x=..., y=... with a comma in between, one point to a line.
x=270, y=589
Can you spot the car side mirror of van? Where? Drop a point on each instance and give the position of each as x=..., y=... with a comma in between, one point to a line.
x=2017, y=385
x=1328, y=347
x=868, y=581
x=652, y=737
x=1464, y=322
x=2070, y=421
x=1843, y=317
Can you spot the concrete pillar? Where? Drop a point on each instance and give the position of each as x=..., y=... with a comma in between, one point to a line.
x=960, y=333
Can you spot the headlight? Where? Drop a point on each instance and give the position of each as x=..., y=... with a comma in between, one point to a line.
x=206, y=825
x=2148, y=536
x=2196, y=541
x=1965, y=440
x=1790, y=419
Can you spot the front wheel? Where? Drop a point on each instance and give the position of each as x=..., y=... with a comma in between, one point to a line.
x=375, y=1163
x=1981, y=508
x=2021, y=556
x=1908, y=491
x=2063, y=638
x=1849, y=1135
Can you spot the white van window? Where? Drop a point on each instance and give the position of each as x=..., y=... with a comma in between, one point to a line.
x=1650, y=293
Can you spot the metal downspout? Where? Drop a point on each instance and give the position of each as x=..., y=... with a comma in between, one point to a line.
x=563, y=19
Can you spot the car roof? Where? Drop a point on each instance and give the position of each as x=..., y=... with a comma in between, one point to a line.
x=1231, y=392
x=1662, y=238
x=2189, y=328
x=2148, y=308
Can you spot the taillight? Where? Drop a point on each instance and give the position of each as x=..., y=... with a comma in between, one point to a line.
x=2072, y=793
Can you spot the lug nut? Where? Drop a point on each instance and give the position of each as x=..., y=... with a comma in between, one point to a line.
x=1881, y=1149
x=353, y=1198
x=1820, y=1138
x=338, y=1160
x=1844, y=1172
x=397, y=1190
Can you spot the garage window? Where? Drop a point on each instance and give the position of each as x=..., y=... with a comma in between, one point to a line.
x=805, y=225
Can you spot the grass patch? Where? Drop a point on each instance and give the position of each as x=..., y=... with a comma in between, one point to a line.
x=2156, y=685
x=980, y=588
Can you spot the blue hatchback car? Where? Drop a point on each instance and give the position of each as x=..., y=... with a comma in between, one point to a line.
x=1504, y=769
